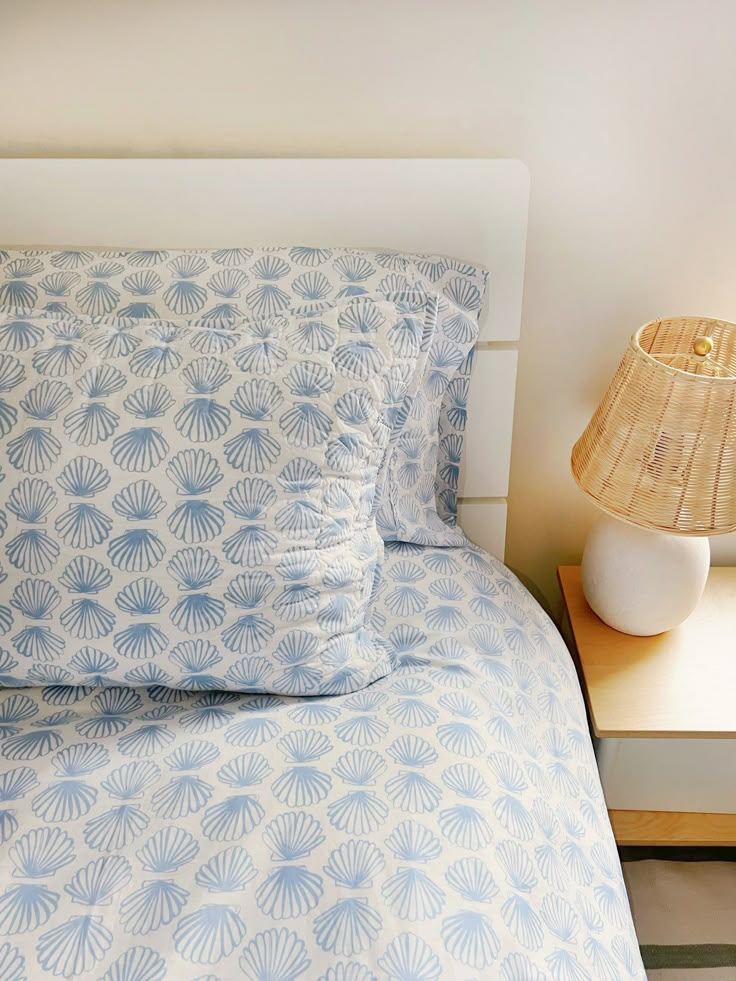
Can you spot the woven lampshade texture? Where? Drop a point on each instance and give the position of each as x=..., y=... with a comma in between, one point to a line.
x=660, y=450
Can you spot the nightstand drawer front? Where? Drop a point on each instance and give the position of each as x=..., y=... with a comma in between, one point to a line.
x=669, y=774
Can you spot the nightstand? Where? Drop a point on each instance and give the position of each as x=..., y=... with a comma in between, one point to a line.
x=663, y=712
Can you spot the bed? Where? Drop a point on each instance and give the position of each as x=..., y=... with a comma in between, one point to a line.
x=444, y=821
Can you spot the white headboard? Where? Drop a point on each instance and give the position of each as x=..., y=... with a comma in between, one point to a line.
x=472, y=209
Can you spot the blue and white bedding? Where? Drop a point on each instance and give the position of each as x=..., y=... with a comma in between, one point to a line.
x=446, y=822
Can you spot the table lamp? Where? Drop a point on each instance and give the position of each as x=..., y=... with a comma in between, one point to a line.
x=659, y=459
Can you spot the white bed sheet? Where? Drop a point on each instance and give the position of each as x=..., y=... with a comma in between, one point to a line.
x=446, y=822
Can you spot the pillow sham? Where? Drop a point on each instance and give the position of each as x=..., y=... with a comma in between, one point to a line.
x=425, y=460
x=192, y=505
x=225, y=285
x=451, y=432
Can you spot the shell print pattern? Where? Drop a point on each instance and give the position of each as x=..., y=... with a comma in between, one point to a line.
x=186, y=515
x=221, y=288
x=445, y=822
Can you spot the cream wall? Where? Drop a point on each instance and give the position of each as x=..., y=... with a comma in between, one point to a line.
x=624, y=112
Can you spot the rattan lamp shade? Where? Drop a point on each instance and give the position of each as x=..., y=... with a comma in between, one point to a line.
x=660, y=450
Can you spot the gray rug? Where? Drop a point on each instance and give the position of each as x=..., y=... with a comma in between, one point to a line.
x=685, y=917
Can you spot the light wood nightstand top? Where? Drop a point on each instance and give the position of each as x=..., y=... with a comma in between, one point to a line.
x=680, y=684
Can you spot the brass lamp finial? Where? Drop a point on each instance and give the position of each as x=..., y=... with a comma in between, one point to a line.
x=702, y=345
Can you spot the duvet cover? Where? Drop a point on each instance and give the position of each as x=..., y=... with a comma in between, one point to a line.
x=445, y=822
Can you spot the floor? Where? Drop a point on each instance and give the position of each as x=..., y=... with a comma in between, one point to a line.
x=684, y=911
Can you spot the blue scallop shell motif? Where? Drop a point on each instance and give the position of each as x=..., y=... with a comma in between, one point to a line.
x=32, y=551
x=75, y=946
x=209, y=934
x=129, y=781
x=101, y=381
x=141, y=597
x=12, y=373
x=309, y=379
x=140, y=641
x=35, y=598
x=46, y=400
x=252, y=451
x=289, y=891
x=146, y=257
x=26, y=907
x=312, y=287
x=41, y=852
x=167, y=850
x=98, y=881
x=194, y=472
x=202, y=420
x=139, y=449
x=300, y=475
x=34, y=451
x=194, y=568
x=118, y=341
x=228, y=871
x=92, y=423
x=85, y=575
x=19, y=335
x=155, y=361
x=83, y=525
x=227, y=283
x=137, y=964
x=115, y=829
x=63, y=358
x=275, y=953
x=251, y=499
x=305, y=425
x=87, y=619
x=348, y=928
x=311, y=336
x=355, y=864
x=205, y=376
x=139, y=501
x=359, y=360
x=304, y=255
x=83, y=477
x=198, y=613
x=144, y=283
x=293, y=836
x=187, y=519
x=139, y=550
x=256, y=399
x=196, y=521
x=149, y=401
x=12, y=963
x=195, y=657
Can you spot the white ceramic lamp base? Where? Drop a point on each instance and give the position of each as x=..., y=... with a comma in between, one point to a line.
x=642, y=582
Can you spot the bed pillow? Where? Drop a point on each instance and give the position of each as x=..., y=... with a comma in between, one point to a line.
x=420, y=503
x=224, y=285
x=451, y=433
x=193, y=505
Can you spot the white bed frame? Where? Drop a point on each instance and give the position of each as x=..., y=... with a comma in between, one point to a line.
x=472, y=209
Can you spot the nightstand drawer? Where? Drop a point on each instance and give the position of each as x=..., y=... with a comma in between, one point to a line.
x=668, y=774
